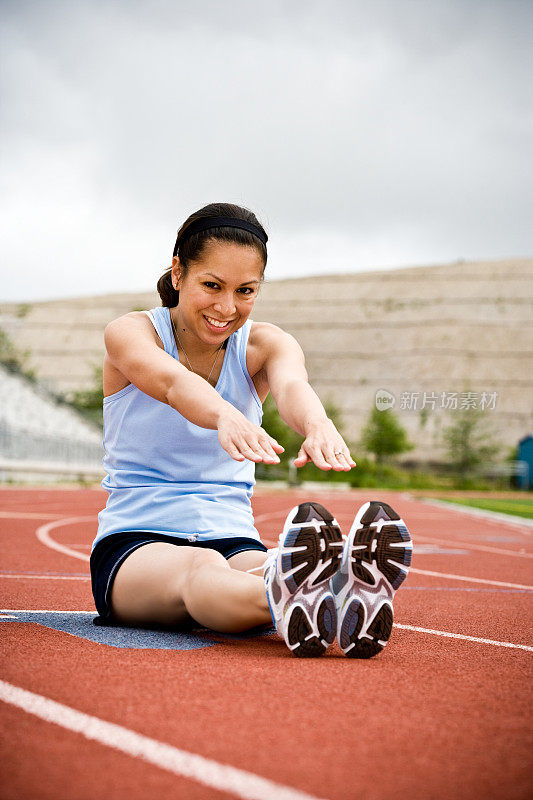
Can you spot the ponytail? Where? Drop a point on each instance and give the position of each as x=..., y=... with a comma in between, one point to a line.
x=169, y=296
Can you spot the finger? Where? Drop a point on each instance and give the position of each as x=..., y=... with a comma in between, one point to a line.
x=275, y=445
x=317, y=457
x=343, y=461
x=301, y=459
x=249, y=452
x=342, y=456
x=267, y=454
x=266, y=445
x=260, y=444
x=346, y=453
x=332, y=457
x=233, y=451
x=349, y=459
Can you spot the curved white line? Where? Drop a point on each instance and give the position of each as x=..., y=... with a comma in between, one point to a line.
x=43, y=535
x=206, y=771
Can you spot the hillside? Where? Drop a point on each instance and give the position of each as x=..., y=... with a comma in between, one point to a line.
x=452, y=328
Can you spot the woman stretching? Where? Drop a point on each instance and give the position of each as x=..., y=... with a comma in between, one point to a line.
x=183, y=388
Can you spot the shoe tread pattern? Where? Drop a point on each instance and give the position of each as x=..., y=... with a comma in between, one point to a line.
x=383, y=552
x=379, y=630
x=299, y=629
x=312, y=553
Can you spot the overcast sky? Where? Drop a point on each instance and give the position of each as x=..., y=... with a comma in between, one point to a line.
x=364, y=135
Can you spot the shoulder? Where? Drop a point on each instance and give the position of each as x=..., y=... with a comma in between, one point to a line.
x=133, y=318
x=268, y=337
x=266, y=342
x=135, y=323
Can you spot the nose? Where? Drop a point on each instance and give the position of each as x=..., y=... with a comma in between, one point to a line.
x=225, y=305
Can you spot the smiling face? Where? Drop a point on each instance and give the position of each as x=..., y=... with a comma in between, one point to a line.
x=218, y=291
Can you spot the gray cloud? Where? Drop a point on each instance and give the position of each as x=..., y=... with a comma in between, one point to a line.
x=363, y=134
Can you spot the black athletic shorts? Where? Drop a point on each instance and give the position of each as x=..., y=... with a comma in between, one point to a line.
x=111, y=551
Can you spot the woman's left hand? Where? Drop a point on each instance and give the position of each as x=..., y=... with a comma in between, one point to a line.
x=326, y=448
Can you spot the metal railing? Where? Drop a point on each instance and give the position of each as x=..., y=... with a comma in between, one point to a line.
x=22, y=445
x=518, y=469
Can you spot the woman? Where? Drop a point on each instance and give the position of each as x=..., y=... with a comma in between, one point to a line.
x=183, y=388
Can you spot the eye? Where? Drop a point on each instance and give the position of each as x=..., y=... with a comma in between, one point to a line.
x=246, y=290
x=211, y=284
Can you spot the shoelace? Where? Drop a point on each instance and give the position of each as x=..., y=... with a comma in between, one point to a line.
x=270, y=552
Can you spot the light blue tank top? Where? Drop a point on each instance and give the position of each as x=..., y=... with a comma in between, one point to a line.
x=166, y=475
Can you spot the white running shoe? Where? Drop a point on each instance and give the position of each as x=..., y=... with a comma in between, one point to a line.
x=297, y=575
x=375, y=562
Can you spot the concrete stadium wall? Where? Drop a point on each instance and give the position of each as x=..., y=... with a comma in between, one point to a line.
x=452, y=328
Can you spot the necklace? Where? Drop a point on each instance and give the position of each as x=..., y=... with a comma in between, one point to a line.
x=187, y=357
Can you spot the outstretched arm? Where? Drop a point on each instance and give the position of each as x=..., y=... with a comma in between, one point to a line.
x=299, y=405
x=132, y=347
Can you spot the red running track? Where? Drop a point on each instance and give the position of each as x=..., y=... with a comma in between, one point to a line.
x=432, y=716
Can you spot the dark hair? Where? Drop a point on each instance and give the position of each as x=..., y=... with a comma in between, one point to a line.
x=193, y=247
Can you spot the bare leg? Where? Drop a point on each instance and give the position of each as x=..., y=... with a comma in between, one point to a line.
x=166, y=585
x=248, y=560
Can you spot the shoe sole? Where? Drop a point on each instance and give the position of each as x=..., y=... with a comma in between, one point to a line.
x=377, y=558
x=310, y=555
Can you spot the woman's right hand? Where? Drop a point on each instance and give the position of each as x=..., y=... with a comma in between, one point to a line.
x=241, y=439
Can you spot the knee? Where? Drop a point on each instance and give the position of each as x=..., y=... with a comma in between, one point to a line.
x=200, y=560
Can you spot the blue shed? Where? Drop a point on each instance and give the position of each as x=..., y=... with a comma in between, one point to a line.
x=525, y=453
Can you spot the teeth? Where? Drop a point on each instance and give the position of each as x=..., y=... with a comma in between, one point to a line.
x=216, y=322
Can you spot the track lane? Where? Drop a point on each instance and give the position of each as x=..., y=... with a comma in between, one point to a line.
x=337, y=723
x=317, y=713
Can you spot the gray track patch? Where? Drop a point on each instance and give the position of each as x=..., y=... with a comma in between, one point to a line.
x=81, y=624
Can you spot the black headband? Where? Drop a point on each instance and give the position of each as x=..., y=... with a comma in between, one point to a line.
x=205, y=223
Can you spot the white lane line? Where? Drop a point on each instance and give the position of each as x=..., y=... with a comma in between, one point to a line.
x=43, y=535
x=454, y=577
x=47, y=577
x=471, y=546
x=28, y=515
x=42, y=611
x=450, y=635
x=206, y=771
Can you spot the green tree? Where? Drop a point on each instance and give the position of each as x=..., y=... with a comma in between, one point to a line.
x=13, y=359
x=280, y=431
x=384, y=436
x=470, y=441
x=89, y=402
x=289, y=439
